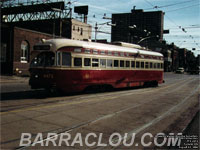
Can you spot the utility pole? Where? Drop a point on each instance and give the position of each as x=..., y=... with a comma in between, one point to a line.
x=96, y=28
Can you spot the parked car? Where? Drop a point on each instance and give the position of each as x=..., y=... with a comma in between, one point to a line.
x=195, y=70
x=180, y=70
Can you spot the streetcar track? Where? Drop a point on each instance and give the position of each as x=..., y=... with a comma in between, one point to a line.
x=100, y=96
x=137, y=130
x=164, y=115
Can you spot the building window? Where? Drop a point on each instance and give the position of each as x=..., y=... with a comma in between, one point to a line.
x=81, y=31
x=74, y=28
x=24, y=52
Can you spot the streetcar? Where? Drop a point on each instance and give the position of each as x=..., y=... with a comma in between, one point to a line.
x=73, y=66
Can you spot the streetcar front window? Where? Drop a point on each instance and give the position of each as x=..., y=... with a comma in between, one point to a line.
x=44, y=59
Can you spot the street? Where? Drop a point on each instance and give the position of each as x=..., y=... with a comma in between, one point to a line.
x=168, y=108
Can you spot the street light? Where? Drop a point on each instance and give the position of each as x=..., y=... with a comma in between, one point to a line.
x=132, y=27
x=149, y=37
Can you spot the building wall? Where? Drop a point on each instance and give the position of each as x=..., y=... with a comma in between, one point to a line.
x=80, y=30
x=31, y=37
x=31, y=33
x=6, y=49
x=149, y=21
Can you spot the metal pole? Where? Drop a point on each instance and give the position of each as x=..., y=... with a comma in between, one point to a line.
x=54, y=27
x=96, y=32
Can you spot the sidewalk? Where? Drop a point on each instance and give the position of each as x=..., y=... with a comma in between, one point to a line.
x=13, y=79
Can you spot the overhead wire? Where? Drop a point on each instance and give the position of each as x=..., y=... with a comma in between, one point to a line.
x=195, y=5
x=183, y=29
x=163, y=6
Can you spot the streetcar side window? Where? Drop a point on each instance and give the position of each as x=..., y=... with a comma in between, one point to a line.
x=155, y=65
x=151, y=65
x=95, y=51
x=137, y=64
x=109, y=63
x=95, y=62
x=162, y=65
x=116, y=53
x=87, y=62
x=103, y=63
x=109, y=52
x=121, y=63
x=103, y=53
x=146, y=65
x=158, y=65
x=133, y=64
x=87, y=51
x=127, y=64
x=116, y=63
x=142, y=64
x=77, y=62
x=66, y=59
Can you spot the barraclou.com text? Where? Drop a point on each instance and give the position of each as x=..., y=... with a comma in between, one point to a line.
x=93, y=139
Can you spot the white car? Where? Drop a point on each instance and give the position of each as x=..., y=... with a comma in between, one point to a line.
x=180, y=70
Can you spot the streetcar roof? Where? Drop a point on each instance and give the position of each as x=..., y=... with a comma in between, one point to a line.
x=59, y=43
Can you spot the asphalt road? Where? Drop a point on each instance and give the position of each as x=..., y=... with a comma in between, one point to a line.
x=165, y=109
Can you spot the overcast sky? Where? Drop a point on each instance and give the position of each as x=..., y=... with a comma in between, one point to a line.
x=179, y=14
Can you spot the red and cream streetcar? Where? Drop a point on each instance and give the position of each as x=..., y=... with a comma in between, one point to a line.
x=72, y=66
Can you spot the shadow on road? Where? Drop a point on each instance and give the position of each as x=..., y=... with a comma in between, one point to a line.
x=36, y=94
x=42, y=94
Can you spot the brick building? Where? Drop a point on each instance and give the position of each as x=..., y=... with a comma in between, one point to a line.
x=16, y=48
x=25, y=23
x=17, y=40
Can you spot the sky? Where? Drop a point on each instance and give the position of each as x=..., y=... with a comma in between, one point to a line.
x=179, y=15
